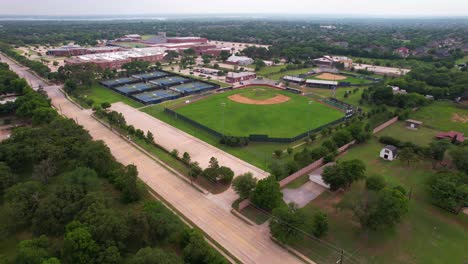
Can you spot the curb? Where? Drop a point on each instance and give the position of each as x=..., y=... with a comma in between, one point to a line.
x=177, y=174
x=70, y=99
x=224, y=252
x=241, y=217
x=291, y=250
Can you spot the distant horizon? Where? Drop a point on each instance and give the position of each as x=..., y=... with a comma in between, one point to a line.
x=367, y=8
x=164, y=16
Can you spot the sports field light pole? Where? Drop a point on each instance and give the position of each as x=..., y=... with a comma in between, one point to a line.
x=224, y=107
x=310, y=103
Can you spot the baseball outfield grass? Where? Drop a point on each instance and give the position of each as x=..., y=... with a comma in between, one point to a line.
x=287, y=119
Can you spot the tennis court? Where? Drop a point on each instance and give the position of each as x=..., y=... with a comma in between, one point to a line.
x=150, y=75
x=118, y=82
x=155, y=97
x=191, y=88
x=169, y=81
x=134, y=88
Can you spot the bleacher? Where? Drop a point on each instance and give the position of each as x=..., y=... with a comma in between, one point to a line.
x=169, y=81
x=135, y=88
x=154, y=97
x=150, y=75
x=192, y=88
x=118, y=82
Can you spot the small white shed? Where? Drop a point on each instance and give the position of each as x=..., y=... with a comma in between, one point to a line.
x=389, y=152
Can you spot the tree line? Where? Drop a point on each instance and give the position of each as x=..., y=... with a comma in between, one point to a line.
x=76, y=203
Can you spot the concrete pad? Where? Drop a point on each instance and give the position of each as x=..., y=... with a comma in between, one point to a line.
x=302, y=195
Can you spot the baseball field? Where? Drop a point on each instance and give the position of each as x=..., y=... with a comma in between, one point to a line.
x=260, y=110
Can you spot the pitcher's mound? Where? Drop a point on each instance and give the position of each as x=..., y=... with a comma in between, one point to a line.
x=278, y=99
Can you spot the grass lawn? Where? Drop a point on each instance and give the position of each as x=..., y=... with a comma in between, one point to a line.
x=427, y=234
x=266, y=71
x=462, y=60
x=278, y=75
x=255, y=215
x=286, y=119
x=352, y=80
x=442, y=115
x=352, y=98
x=146, y=37
x=102, y=94
x=422, y=137
x=257, y=154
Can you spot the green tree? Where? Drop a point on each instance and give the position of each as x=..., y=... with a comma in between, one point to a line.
x=449, y=190
x=197, y=251
x=105, y=105
x=43, y=115
x=149, y=137
x=155, y=256
x=407, y=155
x=44, y=170
x=244, y=184
x=225, y=174
x=7, y=178
x=320, y=227
x=385, y=210
x=375, y=183
x=23, y=199
x=34, y=251
x=194, y=171
x=267, y=194
x=460, y=158
x=343, y=174
x=128, y=184
x=186, y=158
x=78, y=245
x=438, y=149
x=286, y=222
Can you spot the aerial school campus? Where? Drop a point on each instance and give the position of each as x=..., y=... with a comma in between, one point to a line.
x=266, y=156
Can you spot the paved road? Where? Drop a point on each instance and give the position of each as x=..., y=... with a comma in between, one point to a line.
x=250, y=244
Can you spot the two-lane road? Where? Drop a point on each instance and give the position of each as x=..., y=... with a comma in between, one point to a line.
x=250, y=244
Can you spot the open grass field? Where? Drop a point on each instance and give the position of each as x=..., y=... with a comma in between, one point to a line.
x=426, y=235
x=286, y=119
x=462, y=60
x=444, y=116
x=101, y=94
x=352, y=80
x=257, y=154
x=422, y=137
x=273, y=72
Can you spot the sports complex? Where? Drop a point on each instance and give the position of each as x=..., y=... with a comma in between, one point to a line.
x=158, y=86
x=261, y=113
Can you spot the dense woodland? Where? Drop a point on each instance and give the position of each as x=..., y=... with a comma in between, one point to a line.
x=293, y=39
x=70, y=201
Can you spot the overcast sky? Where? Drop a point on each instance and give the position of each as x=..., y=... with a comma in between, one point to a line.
x=119, y=7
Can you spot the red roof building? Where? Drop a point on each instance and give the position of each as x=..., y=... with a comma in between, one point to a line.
x=452, y=135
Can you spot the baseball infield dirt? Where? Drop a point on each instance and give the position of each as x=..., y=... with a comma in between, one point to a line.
x=331, y=77
x=278, y=99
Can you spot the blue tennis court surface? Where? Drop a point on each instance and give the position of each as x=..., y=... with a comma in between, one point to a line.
x=157, y=96
x=190, y=88
x=118, y=82
x=150, y=75
x=168, y=81
x=134, y=88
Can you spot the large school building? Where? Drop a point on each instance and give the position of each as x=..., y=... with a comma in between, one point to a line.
x=115, y=60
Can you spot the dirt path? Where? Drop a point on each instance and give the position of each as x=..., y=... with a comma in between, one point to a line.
x=250, y=244
x=278, y=99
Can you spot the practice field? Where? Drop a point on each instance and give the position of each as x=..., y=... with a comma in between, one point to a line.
x=286, y=118
x=339, y=78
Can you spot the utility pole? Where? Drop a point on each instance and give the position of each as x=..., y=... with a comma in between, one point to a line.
x=340, y=261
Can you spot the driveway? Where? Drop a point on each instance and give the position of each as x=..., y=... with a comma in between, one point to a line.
x=304, y=194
